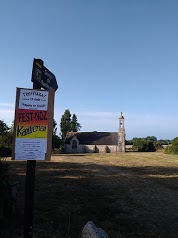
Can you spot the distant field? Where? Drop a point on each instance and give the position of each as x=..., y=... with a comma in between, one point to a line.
x=127, y=195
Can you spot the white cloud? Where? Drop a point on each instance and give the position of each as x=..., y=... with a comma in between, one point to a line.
x=7, y=112
x=4, y=104
x=7, y=116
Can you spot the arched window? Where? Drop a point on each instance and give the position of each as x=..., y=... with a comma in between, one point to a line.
x=74, y=144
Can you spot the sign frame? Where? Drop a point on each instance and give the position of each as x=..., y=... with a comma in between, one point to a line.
x=50, y=111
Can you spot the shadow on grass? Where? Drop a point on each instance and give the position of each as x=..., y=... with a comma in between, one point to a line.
x=127, y=201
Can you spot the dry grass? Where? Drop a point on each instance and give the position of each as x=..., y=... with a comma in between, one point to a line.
x=127, y=195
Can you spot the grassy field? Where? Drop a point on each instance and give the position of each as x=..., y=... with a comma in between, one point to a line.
x=127, y=195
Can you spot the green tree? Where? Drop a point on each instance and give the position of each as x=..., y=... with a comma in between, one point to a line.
x=75, y=126
x=9, y=138
x=164, y=142
x=54, y=127
x=142, y=145
x=173, y=148
x=151, y=138
x=56, y=141
x=6, y=138
x=4, y=129
x=129, y=142
x=65, y=124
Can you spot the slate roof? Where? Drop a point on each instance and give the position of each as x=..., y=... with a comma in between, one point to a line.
x=94, y=138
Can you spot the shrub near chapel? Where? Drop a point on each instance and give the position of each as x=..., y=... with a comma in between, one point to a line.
x=172, y=149
x=6, y=135
x=143, y=145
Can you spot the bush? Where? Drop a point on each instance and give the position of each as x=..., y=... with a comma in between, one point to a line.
x=143, y=145
x=172, y=149
x=158, y=146
x=56, y=151
x=150, y=147
x=168, y=150
x=56, y=142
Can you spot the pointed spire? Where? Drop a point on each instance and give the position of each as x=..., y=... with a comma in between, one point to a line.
x=121, y=116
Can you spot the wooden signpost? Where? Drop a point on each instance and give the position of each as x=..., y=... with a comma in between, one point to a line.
x=33, y=131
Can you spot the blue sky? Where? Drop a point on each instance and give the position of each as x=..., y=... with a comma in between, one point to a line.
x=108, y=56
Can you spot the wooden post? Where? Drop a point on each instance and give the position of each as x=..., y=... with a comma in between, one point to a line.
x=29, y=198
x=29, y=191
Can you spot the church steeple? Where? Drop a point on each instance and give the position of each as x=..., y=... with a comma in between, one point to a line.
x=121, y=134
x=121, y=121
x=121, y=116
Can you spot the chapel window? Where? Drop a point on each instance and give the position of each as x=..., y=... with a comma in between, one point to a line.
x=74, y=144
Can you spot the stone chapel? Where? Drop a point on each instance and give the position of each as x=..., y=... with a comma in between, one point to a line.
x=96, y=142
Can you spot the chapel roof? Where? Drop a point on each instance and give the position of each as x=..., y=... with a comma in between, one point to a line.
x=94, y=138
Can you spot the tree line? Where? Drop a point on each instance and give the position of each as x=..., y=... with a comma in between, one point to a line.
x=147, y=144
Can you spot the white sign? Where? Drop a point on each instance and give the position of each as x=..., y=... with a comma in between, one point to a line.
x=31, y=125
x=30, y=149
x=33, y=99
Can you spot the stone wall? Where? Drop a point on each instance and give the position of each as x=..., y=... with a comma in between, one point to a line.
x=91, y=149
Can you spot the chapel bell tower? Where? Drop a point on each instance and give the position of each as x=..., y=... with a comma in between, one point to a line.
x=121, y=135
